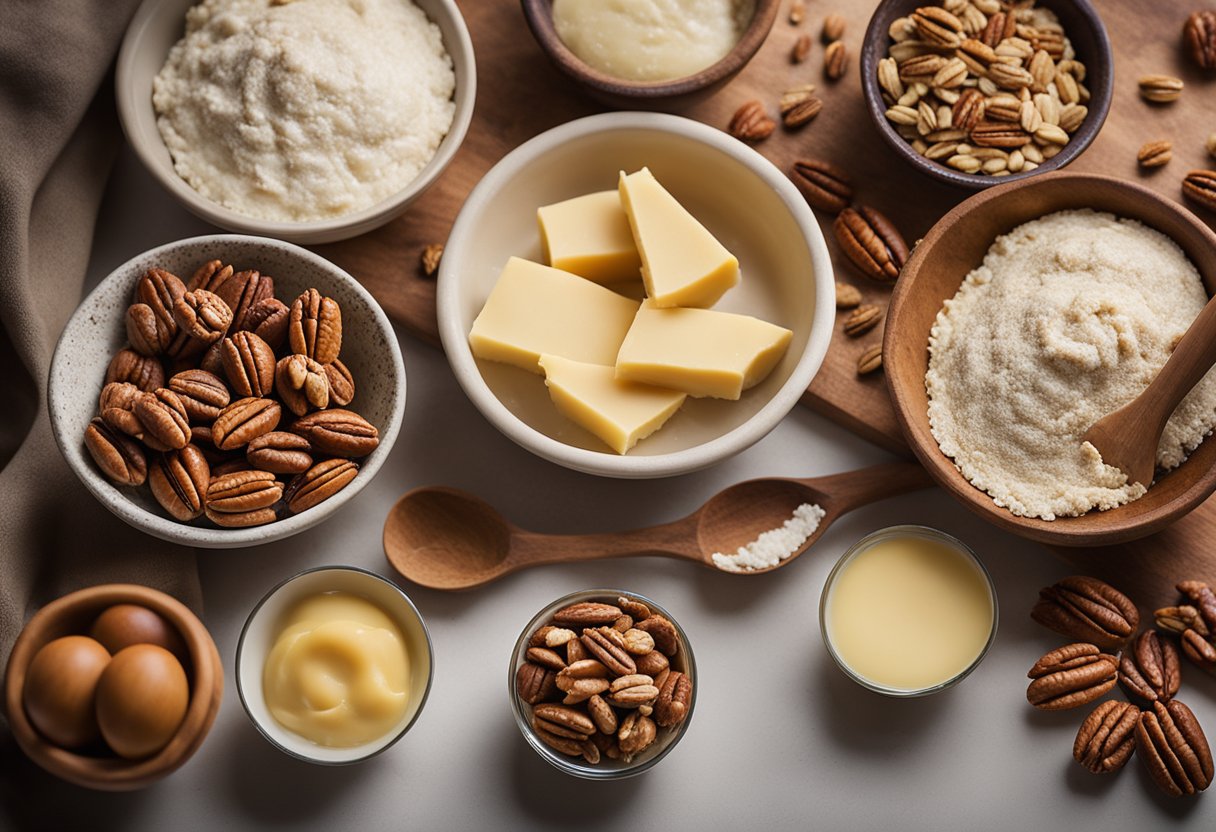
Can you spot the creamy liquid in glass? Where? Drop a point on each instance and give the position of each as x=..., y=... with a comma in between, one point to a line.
x=651, y=40
x=338, y=673
x=909, y=613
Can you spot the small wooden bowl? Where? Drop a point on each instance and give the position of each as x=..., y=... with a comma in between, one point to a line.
x=619, y=92
x=933, y=274
x=74, y=614
x=1082, y=26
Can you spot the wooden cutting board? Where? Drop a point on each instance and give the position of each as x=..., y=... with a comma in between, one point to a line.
x=520, y=94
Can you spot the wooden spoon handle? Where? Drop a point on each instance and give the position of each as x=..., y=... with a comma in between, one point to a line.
x=1191, y=359
x=853, y=489
x=677, y=539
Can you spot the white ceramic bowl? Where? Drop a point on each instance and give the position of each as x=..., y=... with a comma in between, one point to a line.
x=738, y=194
x=96, y=331
x=159, y=24
x=262, y=629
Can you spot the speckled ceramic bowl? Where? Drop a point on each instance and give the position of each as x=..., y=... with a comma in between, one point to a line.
x=159, y=24
x=96, y=331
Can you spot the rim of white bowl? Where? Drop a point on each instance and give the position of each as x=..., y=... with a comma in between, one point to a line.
x=312, y=231
x=455, y=339
x=166, y=528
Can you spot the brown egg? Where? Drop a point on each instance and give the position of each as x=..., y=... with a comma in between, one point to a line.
x=125, y=624
x=60, y=686
x=141, y=700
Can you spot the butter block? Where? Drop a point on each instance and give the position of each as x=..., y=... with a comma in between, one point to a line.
x=700, y=351
x=682, y=263
x=590, y=236
x=618, y=412
x=535, y=310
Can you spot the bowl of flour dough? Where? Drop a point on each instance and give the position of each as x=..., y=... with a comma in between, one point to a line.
x=1026, y=314
x=305, y=120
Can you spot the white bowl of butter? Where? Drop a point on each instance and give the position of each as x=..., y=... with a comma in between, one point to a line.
x=334, y=665
x=747, y=204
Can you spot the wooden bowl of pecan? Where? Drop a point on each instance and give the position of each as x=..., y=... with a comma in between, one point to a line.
x=975, y=94
x=226, y=391
x=603, y=684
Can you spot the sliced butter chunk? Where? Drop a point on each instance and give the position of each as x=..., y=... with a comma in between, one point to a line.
x=534, y=309
x=682, y=263
x=700, y=351
x=618, y=412
x=590, y=236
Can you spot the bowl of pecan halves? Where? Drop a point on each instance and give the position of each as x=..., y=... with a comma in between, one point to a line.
x=602, y=684
x=227, y=390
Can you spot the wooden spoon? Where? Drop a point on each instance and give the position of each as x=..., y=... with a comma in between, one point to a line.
x=444, y=538
x=1128, y=438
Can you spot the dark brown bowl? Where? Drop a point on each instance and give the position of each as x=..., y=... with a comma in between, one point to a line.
x=618, y=92
x=1083, y=27
x=74, y=614
x=933, y=274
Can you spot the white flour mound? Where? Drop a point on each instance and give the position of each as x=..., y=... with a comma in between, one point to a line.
x=1069, y=318
x=304, y=110
x=775, y=545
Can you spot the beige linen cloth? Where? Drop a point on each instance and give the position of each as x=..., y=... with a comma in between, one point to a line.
x=58, y=137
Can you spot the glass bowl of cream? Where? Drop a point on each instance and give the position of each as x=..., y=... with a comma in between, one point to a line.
x=908, y=611
x=334, y=665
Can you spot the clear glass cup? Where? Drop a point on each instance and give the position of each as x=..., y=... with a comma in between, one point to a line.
x=924, y=533
x=605, y=769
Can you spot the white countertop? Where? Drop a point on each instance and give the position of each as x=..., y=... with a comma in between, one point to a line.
x=780, y=738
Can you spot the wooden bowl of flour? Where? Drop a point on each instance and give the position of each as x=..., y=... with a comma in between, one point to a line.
x=934, y=273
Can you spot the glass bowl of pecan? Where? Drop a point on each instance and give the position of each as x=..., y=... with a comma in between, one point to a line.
x=602, y=684
x=975, y=93
x=226, y=391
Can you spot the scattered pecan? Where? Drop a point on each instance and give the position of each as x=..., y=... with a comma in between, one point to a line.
x=751, y=123
x=870, y=360
x=1154, y=154
x=835, y=60
x=1199, y=35
x=871, y=242
x=1151, y=669
x=861, y=320
x=1071, y=676
x=1174, y=749
x=1107, y=737
x=1085, y=608
x=824, y=185
x=1199, y=187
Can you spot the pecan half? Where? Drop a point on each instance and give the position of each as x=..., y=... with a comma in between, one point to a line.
x=534, y=683
x=1151, y=669
x=338, y=433
x=579, y=669
x=268, y=319
x=116, y=405
x=243, y=421
x=242, y=292
x=569, y=747
x=163, y=415
x=203, y=394
x=824, y=185
x=145, y=372
x=201, y=316
x=666, y=639
x=179, y=480
x=633, y=607
x=998, y=134
x=587, y=613
x=117, y=455
x=602, y=715
x=243, y=498
x=319, y=483
x=545, y=657
x=210, y=276
x=632, y=691
x=675, y=698
x=1087, y=609
x=1071, y=676
x=652, y=663
x=835, y=60
x=1199, y=187
x=607, y=645
x=871, y=242
x=341, y=383
x=1199, y=35
x=150, y=324
x=938, y=27
x=315, y=327
x=968, y=111
x=1107, y=737
x=861, y=320
x=751, y=123
x=302, y=384
x=638, y=642
x=248, y=363
x=563, y=721
x=279, y=452
x=1174, y=749
x=636, y=733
